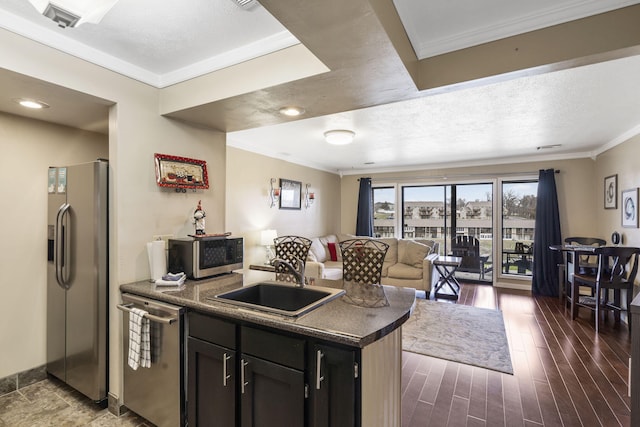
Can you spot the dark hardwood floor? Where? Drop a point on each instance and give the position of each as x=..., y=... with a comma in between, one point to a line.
x=564, y=374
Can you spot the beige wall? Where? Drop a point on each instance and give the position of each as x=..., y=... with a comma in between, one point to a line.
x=29, y=147
x=623, y=161
x=247, y=205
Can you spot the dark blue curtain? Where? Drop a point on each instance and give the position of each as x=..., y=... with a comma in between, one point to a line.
x=364, y=221
x=545, y=261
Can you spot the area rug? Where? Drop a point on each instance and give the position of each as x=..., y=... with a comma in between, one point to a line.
x=460, y=333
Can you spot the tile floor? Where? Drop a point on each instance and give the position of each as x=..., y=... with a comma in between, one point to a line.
x=52, y=403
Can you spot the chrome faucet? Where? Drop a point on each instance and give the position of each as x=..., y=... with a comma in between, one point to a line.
x=298, y=273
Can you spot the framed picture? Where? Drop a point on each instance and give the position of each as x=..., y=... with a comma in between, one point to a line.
x=290, y=194
x=611, y=192
x=630, y=208
x=181, y=172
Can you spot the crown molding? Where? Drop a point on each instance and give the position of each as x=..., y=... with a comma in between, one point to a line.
x=471, y=163
x=544, y=18
x=25, y=28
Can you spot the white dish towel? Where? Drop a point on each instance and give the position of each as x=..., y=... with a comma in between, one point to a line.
x=139, y=339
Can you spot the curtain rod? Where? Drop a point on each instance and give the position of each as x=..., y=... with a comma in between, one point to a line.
x=453, y=176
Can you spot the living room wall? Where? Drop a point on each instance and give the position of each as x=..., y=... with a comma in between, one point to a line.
x=623, y=161
x=247, y=205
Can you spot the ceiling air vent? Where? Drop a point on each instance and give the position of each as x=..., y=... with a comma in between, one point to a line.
x=60, y=16
x=246, y=4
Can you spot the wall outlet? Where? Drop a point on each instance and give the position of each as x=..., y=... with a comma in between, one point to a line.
x=164, y=237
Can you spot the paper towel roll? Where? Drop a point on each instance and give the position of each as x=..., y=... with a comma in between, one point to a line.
x=157, y=259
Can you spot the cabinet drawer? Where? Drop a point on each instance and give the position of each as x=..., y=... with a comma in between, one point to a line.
x=213, y=330
x=271, y=346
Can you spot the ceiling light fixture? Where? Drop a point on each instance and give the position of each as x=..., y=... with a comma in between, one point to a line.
x=31, y=103
x=292, y=111
x=73, y=13
x=339, y=136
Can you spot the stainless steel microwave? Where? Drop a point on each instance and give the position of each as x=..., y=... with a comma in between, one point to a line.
x=205, y=256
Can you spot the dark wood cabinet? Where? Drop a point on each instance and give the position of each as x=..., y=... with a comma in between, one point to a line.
x=272, y=395
x=241, y=375
x=211, y=366
x=333, y=387
x=211, y=384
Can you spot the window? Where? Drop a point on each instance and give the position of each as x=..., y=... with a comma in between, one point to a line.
x=518, y=226
x=384, y=211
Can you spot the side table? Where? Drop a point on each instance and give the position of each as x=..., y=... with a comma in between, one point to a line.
x=446, y=267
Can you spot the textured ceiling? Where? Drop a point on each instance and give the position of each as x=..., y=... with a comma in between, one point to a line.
x=370, y=88
x=486, y=124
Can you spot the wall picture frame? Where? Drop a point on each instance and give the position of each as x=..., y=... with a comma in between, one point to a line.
x=611, y=192
x=630, y=208
x=290, y=194
x=180, y=172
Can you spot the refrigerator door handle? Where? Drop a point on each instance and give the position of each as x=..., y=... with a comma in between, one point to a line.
x=60, y=245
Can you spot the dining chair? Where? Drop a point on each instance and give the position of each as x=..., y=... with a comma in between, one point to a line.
x=587, y=264
x=362, y=263
x=294, y=250
x=616, y=271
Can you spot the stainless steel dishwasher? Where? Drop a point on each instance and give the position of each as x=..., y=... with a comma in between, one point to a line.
x=156, y=393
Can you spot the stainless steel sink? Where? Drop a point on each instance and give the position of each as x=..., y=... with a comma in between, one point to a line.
x=279, y=298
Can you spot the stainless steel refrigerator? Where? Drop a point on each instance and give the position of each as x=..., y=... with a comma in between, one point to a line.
x=77, y=277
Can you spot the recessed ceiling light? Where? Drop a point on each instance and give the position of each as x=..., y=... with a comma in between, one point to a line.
x=31, y=103
x=292, y=111
x=339, y=136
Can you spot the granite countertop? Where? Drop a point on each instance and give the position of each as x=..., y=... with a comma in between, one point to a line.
x=336, y=321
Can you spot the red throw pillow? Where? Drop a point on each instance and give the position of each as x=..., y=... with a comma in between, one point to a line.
x=333, y=254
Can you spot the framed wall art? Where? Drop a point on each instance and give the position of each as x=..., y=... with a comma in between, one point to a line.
x=630, y=208
x=181, y=172
x=611, y=192
x=290, y=194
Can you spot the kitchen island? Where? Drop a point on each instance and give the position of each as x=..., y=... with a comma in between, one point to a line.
x=334, y=339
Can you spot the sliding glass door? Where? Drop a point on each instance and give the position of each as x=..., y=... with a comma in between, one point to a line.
x=460, y=217
x=426, y=213
x=445, y=213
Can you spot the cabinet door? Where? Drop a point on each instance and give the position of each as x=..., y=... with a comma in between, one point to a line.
x=333, y=387
x=271, y=395
x=212, y=385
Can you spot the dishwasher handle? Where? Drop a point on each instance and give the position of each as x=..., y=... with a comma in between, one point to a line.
x=152, y=317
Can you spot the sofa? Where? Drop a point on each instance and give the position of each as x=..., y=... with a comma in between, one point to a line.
x=408, y=262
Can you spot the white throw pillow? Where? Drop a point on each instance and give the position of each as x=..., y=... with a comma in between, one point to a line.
x=318, y=250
